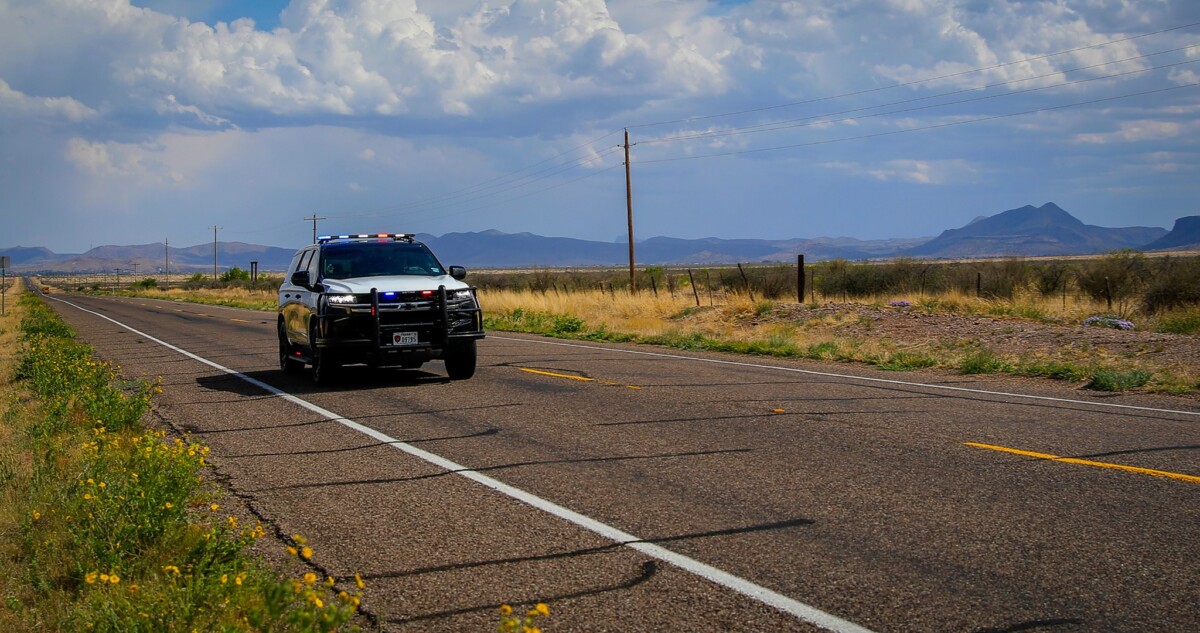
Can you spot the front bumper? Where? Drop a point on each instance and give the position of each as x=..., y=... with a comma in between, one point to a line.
x=384, y=328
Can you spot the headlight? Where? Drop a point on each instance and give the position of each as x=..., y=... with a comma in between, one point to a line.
x=341, y=299
x=462, y=294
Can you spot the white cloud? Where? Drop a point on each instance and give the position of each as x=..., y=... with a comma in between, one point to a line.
x=363, y=57
x=921, y=172
x=139, y=163
x=16, y=103
x=1137, y=131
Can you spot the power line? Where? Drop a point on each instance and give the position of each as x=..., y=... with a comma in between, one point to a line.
x=924, y=128
x=515, y=180
x=914, y=82
x=780, y=124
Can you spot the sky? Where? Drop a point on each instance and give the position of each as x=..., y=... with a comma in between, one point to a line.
x=141, y=122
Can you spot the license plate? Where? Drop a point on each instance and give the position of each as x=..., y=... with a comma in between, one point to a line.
x=404, y=338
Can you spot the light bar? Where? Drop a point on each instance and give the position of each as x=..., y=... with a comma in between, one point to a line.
x=408, y=237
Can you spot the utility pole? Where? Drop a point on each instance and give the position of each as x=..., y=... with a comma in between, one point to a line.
x=314, y=219
x=629, y=215
x=215, y=228
x=167, y=261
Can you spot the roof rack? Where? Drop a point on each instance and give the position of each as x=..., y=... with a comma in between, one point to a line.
x=398, y=237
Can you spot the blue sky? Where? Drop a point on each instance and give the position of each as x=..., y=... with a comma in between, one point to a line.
x=131, y=123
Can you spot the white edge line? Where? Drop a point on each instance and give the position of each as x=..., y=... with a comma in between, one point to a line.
x=740, y=585
x=811, y=372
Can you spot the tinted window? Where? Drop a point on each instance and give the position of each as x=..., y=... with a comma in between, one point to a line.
x=375, y=259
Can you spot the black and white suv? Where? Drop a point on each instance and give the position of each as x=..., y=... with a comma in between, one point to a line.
x=379, y=299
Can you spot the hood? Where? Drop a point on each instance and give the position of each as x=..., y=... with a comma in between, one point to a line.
x=392, y=283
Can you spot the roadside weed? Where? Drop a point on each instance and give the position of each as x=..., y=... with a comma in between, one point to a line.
x=109, y=526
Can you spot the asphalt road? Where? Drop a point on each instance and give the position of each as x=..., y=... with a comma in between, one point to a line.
x=637, y=489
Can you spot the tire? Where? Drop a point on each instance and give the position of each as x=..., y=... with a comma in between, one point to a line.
x=287, y=364
x=460, y=361
x=324, y=365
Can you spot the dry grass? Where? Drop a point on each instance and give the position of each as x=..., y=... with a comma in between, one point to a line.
x=952, y=331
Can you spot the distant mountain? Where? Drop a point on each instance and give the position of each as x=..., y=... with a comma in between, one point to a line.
x=30, y=256
x=1025, y=232
x=1185, y=236
x=493, y=249
x=1032, y=231
x=152, y=258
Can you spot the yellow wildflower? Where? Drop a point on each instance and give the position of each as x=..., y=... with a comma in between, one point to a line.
x=168, y=505
x=505, y=610
x=542, y=609
x=214, y=507
x=310, y=578
x=36, y=515
x=114, y=579
x=238, y=579
x=306, y=552
x=90, y=578
x=291, y=550
x=224, y=578
x=171, y=569
x=329, y=581
x=358, y=581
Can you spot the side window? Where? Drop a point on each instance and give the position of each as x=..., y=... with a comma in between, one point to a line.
x=302, y=263
x=294, y=266
x=312, y=265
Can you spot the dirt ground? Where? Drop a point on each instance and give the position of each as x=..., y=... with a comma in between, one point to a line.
x=1008, y=337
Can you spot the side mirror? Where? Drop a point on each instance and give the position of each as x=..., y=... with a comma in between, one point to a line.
x=301, y=278
x=458, y=272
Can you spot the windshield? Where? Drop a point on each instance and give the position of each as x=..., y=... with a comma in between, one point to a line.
x=376, y=259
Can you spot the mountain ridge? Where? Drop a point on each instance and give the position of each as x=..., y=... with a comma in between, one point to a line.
x=1026, y=231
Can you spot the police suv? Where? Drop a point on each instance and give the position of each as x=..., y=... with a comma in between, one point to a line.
x=379, y=299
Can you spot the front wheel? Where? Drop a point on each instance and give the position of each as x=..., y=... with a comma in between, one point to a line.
x=324, y=366
x=460, y=361
x=288, y=364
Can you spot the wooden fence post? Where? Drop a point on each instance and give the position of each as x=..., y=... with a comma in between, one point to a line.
x=749, y=290
x=800, y=278
x=695, y=293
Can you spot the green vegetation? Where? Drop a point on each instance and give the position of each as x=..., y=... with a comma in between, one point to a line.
x=110, y=526
x=1110, y=380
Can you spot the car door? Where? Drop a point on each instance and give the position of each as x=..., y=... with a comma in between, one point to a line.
x=292, y=299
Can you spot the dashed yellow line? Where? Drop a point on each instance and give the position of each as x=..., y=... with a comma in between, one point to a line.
x=1085, y=462
x=550, y=373
x=239, y=320
x=574, y=377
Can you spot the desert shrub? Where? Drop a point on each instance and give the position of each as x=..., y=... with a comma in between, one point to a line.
x=234, y=274
x=145, y=284
x=1179, y=322
x=1050, y=279
x=1112, y=380
x=1175, y=283
x=1122, y=273
x=983, y=361
x=196, y=282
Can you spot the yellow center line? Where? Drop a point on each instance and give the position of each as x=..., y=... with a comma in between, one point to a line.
x=239, y=320
x=549, y=373
x=1084, y=462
